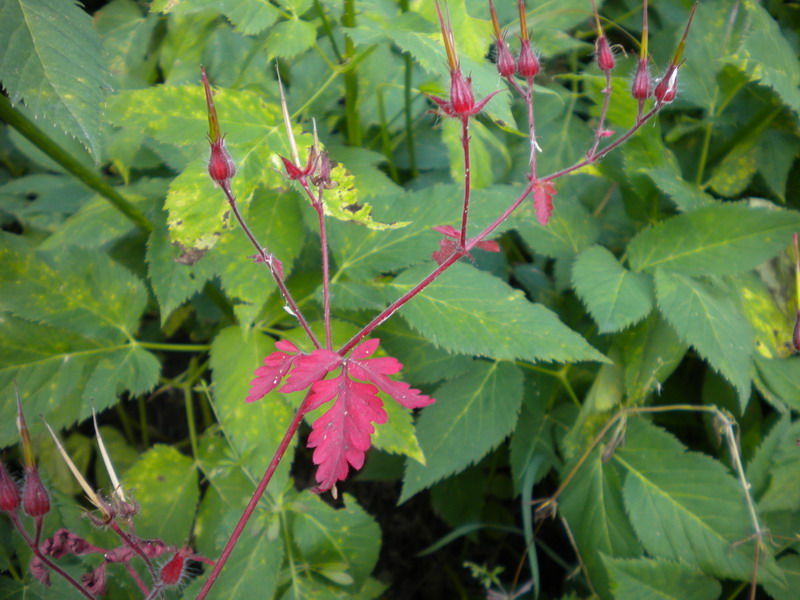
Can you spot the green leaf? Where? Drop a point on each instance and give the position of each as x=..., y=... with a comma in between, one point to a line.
x=173, y=280
x=732, y=175
x=592, y=506
x=782, y=377
x=471, y=416
x=705, y=316
x=652, y=351
x=570, y=230
x=776, y=152
x=249, y=16
x=790, y=566
x=398, y=434
x=646, y=579
x=254, y=429
x=470, y=311
x=615, y=297
x=164, y=483
x=290, y=38
x=52, y=59
x=79, y=290
x=686, y=506
x=132, y=369
x=683, y=194
x=719, y=239
x=776, y=469
x=324, y=536
x=767, y=57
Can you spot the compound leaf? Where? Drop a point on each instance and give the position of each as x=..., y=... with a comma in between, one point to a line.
x=647, y=579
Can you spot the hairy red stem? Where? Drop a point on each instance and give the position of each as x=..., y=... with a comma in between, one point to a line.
x=50, y=564
x=531, y=128
x=251, y=506
x=316, y=202
x=269, y=264
x=603, y=112
x=465, y=146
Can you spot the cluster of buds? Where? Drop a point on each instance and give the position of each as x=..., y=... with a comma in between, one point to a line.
x=34, y=501
x=526, y=64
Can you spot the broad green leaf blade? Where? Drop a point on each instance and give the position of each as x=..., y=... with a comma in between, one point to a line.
x=718, y=239
x=790, y=566
x=470, y=311
x=767, y=56
x=592, y=506
x=398, y=434
x=683, y=194
x=132, y=369
x=52, y=59
x=652, y=351
x=325, y=536
x=254, y=429
x=782, y=378
x=570, y=230
x=290, y=38
x=615, y=297
x=471, y=416
x=706, y=317
x=776, y=469
x=646, y=579
x=75, y=289
x=164, y=483
x=686, y=506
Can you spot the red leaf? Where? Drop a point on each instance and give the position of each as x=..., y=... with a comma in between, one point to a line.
x=543, y=192
x=276, y=365
x=447, y=230
x=309, y=368
x=446, y=248
x=341, y=436
x=489, y=246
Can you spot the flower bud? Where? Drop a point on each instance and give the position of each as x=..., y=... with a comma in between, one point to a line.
x=174, y=568
x=527, y=64
x=505, y=60
x=603, y=54
x=461, y=98
x=667, y=88
x=35, y=501
x=220, y=165
x=9, y=493
x=641, y=87
x=95, y=581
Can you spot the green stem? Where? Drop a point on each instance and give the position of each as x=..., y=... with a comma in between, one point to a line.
x=145, y=434
x=187, y=400
x=89, y=178
x=328, y=30
x=174, y=347
x=386, y=143
x=407, y=97
x=351, y=80
x=125, y=420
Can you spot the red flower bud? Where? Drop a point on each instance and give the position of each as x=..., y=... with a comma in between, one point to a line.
x=505, y=60
x=95, y=581
x=667, y=88
x=173, y=569
x=603, y=54
x=461, y=98
x=39, y=570
x=9, y=492
x=641, y=88
x=527, y=64
x=35, y=501
x=220, y=165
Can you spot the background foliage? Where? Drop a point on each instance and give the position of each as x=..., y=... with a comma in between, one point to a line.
x=663, y=278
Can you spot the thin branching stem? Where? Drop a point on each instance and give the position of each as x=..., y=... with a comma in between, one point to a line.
x=254, y=500
x=598, y=135
x=465, y=213
x=50, y=564
x=316, y=202
x=268, y=261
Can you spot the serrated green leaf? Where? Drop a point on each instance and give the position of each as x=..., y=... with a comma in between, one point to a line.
x=719, y=239
x=254, y=429
x=774, y=471
x=249, y=16
x=767, y=57
x=790, y=567
x=324, y=535
x=615, y=297
x=647, y=579
x=132, y=369
x=173, y=280
x=164, y=483
x=776, y=153
x=570, y=230
x=706, y=317
x=592, y=506
x=733, y=174
x=686, y=506
x=71, y=288
x=471, y=416
x=651, y=352
x=683, y=194
x=470, y=311
x=782, y=377
x=42, y=40
x=290, y=38
x=398, y=434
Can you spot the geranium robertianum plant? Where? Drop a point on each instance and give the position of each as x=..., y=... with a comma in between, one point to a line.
x=566, y=348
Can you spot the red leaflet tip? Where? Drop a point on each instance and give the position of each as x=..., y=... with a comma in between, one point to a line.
x=543, y=192
x=9, y=492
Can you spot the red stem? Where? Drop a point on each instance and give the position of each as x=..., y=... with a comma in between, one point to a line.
x=35, y=549
x=133, y=546
x=465, y=146
x=531, y=127
x=251, y=506
x=268, y=263
x=316, y=202
x=603, y=113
